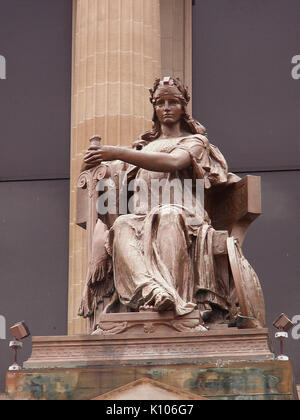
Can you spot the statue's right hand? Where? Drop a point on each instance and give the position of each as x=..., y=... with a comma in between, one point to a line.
x=100, y=153
x=91, y=158
x=97, y=154
x=92, y=155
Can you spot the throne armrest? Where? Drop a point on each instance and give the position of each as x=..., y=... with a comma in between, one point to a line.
x=86, y=195
x=235, y=207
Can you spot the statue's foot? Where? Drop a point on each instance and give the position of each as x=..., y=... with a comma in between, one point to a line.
x=164, y=303
x=215, y=315
x=146, y=308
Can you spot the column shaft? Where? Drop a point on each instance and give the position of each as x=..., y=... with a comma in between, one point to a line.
x=116, y=56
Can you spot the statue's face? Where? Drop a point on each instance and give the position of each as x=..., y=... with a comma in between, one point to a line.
x=168, y=109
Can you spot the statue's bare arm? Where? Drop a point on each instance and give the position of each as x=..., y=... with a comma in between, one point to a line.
x=152, y=161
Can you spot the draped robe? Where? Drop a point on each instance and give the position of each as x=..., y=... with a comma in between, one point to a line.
x=164, y=249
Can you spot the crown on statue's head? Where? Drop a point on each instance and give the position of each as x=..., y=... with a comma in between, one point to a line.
x=169, y=86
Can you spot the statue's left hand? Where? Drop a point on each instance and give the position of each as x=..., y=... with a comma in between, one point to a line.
x=96, y=154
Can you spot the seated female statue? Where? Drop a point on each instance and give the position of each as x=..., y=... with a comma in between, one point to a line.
x=160, y=256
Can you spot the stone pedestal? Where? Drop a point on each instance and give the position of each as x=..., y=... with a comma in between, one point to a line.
x=225, y=363
x=235, y=380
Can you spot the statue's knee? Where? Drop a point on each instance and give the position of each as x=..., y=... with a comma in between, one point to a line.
x=169, y=216
x=120, y=223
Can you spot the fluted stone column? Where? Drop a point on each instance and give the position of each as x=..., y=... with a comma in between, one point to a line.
x=116, y=56
x=176, y=40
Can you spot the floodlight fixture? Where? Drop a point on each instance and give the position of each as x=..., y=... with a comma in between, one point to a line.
x=283, y=324
x=19, y=331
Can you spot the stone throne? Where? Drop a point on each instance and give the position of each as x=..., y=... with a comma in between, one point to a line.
x=232, y=209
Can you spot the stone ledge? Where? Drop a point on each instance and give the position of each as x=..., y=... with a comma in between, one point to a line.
x=256, y=380
x=146, y=349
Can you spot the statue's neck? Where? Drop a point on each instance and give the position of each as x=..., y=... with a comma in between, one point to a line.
x=171, y=130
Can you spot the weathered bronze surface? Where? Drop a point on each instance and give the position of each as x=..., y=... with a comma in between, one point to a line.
x=155, y=258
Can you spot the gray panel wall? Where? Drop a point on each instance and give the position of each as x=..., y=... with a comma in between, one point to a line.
x=272, y=247
x=244, y=93
x=33, y=260
x=36, y=40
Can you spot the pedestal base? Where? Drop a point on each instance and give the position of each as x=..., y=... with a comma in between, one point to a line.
x=226, y=363
x=150, y=337
x=269, y=380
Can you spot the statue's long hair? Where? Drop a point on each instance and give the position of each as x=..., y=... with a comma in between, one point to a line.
x=187, y=123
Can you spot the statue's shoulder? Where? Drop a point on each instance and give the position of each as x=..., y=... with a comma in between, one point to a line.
x=195, y=139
